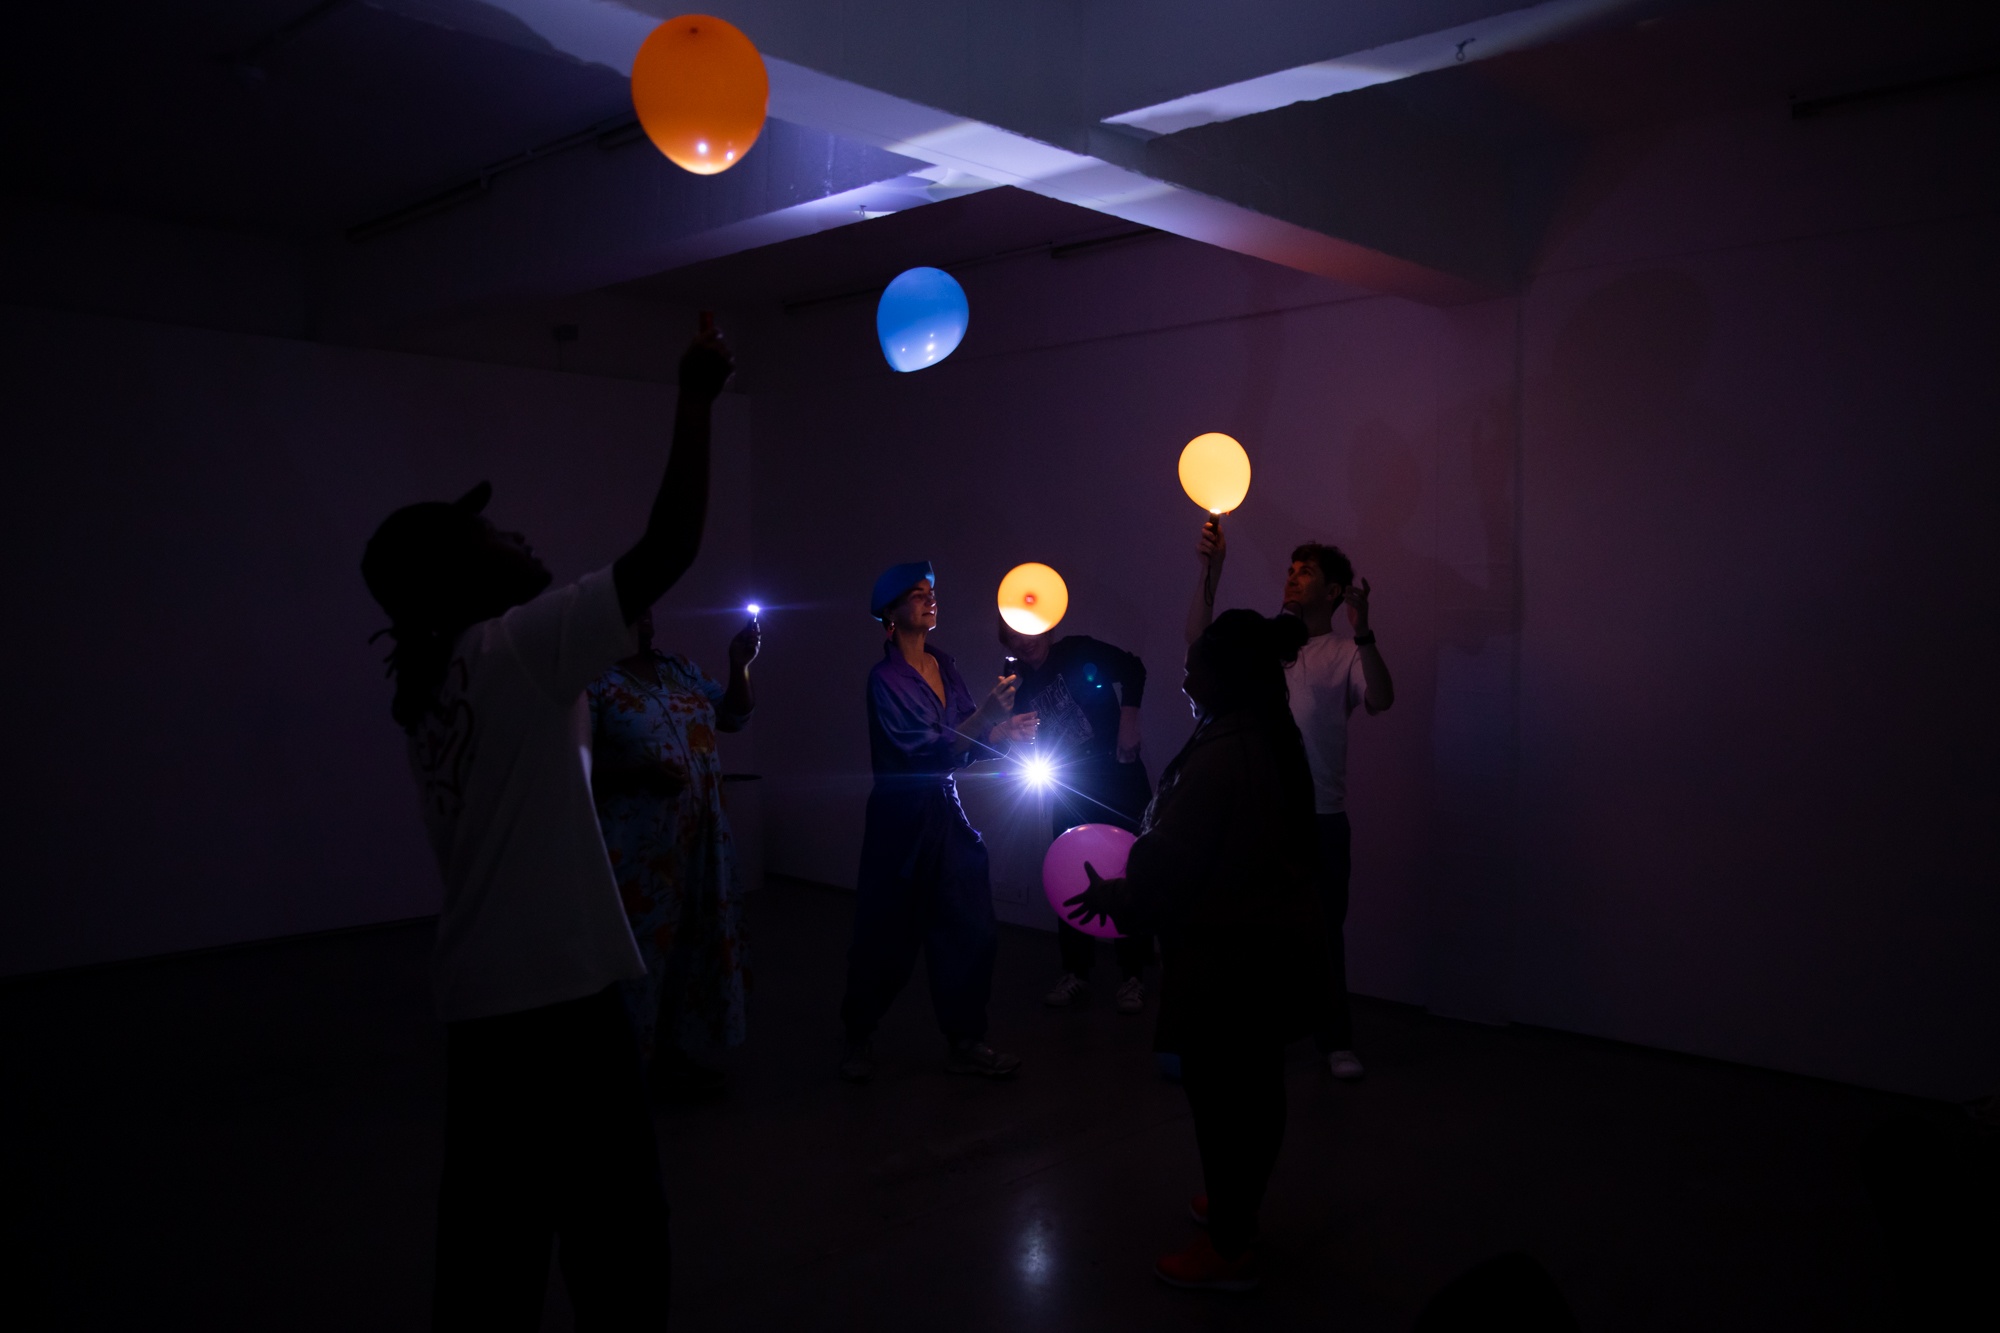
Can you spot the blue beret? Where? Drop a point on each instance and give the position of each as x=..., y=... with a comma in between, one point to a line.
x=895, y=581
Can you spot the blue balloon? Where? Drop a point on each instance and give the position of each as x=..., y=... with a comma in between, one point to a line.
x=921, y=318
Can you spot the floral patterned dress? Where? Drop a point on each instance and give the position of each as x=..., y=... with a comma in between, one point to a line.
x=671, y=851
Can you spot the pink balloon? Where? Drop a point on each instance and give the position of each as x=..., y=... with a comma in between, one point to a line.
x=1105, y=846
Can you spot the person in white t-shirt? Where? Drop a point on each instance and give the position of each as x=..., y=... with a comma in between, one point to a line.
x=1333, y=675
x=548, y=1142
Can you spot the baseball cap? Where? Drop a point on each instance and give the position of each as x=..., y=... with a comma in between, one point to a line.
x=419, y=553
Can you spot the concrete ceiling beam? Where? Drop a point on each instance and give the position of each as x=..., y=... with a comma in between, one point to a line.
x=1018, y=92
x=911, y=130
x=589, y=218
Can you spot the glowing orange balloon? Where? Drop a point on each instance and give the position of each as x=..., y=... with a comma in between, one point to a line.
x=701, y=90
x=1032, y=599
x=1215, y=472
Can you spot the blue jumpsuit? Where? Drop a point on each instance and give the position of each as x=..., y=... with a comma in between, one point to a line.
x=923, y=881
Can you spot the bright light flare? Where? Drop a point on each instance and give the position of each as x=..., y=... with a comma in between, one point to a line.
x=1037, y=772
x=754, y=609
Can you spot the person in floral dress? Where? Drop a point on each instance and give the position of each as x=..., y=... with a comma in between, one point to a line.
x=657, y=779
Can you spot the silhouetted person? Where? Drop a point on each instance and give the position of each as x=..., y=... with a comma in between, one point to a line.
x=1331, y=677
x=1085, y=695
x=657, y=776
x=547, y=1138
x=1509, y=1294
x=1226, y=871
x=924, y=882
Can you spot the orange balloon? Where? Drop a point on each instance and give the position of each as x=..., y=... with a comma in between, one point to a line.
x=701, y=90
x=1215, y=472
x=1033, y=599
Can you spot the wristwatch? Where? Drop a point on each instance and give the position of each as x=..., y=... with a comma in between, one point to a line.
x=1365, y=640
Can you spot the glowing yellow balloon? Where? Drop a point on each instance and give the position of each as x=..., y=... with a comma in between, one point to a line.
x=701, y=90
x=1215, y=472
x=1032, y=599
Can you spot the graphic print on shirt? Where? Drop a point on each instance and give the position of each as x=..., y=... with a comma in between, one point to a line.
x=1062, y=719
x=444, y=745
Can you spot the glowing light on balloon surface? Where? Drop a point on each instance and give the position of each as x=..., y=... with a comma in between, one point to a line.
x=921, y=318
x=1105, y=846
x=1033, y=599
x=1215, y=472
x=701, y=90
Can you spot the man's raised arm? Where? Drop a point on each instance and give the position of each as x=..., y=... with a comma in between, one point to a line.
x=1213, y=548
x=673, y=530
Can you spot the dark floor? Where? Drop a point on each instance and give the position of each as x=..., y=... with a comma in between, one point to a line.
x=250, y=1140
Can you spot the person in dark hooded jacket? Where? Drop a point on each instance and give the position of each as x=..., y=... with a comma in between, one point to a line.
x=1225, y=872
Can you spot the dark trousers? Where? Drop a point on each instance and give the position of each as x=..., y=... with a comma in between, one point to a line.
x=1335, y=1029
x=548, y=1142
x=936, y=897
x=1080, y=950
x=1237, y=1095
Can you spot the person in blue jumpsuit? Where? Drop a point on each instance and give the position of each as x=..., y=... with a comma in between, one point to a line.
x=923, y=881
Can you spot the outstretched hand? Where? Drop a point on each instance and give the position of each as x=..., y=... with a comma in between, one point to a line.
x=706, y=366
x=1097, y=902
x=1356, y=597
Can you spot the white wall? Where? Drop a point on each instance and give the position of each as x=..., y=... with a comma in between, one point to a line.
x=65, y=257
x=1759, y=469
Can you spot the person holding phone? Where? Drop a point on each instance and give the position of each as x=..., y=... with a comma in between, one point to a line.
x=924, y=883
x=657, y=775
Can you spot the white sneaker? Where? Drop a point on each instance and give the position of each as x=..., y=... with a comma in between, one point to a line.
x=1344, y=1064
x=1131, y=996
x=1068, y=990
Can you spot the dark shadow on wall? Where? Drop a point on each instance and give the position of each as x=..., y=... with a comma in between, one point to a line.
x=1434, y=532
x=1459, y=688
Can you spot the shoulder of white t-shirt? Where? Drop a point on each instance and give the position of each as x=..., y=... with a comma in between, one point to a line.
x=491, y=636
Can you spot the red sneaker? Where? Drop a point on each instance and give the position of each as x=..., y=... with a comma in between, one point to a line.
x=1200, y=1268
x=1198, y=1209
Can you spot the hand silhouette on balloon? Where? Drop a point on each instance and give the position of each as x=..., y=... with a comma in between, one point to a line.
x=1102, y=901
x=1070, y=877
